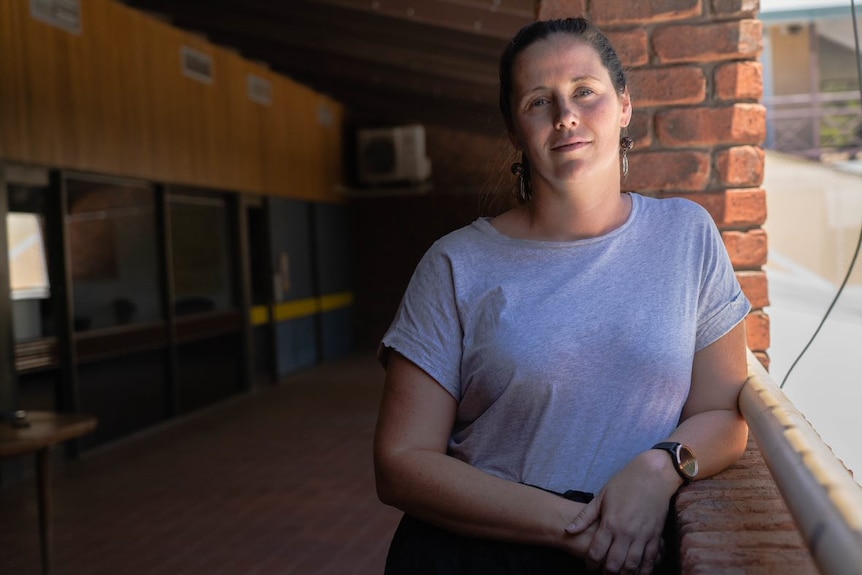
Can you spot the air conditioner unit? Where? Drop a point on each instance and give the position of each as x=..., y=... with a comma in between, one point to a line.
x=392, y=155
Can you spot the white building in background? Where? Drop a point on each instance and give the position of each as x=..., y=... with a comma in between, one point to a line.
x=811, y=86
x=811, y=91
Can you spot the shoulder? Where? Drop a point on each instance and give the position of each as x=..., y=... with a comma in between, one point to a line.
x=458, y=242
x=681, y=207
x=680, y=212
x=447, y=252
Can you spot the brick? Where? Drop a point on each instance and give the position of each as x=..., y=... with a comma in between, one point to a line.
x=743, y=539
x=757, y=330
x=736, y=8
x=667, y=86
x=755, y=286
x=740, y=166
x=736, y=124
x=668, y=171
x=640, y=129
x=551, y=9
x=735, y=40
x=737, y=81
x=744, y=207
x=746, y=487
x=739, y=208
x=632, y=46
x=763, y=358
x=747, y=250
x=741, y=517
x=745, y=468
x=730, y=560
x=606, y=13
x=741, y=492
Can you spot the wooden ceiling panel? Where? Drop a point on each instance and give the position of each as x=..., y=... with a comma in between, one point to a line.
x=418, y=59
x=481, y=18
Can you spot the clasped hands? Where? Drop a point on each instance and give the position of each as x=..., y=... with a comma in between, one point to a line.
x=620, y=530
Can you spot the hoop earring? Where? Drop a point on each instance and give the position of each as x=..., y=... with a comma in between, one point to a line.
x=626, y=144
x=518, y=170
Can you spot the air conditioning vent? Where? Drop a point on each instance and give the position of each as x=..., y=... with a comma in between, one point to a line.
x=392, y=155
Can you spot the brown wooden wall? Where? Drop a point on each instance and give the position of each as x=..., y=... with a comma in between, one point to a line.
x=113, y=99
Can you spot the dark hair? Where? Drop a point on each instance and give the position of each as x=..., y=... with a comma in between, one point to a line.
x=580, y=28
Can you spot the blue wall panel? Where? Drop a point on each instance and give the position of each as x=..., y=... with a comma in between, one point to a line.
x=297, y=344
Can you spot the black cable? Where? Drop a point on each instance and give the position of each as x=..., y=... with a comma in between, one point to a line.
x=858, y=243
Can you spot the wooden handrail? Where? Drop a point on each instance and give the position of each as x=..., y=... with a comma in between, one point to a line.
x=821, y=494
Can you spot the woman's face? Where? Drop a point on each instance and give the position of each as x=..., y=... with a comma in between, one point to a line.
x=567, y=114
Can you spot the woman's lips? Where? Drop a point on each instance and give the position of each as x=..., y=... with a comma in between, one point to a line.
x=570, y=146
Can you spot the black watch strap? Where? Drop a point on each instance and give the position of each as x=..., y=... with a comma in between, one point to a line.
x=673, y=448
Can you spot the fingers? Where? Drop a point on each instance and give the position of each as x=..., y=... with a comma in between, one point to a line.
x=598, y=550
x=588, y=515
x=652, y=555
x=613, y=556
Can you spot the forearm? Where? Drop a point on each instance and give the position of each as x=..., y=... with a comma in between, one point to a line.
x=451, y=494
x=415, y=474
x=717, y=437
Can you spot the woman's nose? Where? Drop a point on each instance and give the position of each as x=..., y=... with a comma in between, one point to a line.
x=566, y=116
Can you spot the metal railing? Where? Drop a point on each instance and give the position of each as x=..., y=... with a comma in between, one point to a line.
x=814, y=124
x=821, y=494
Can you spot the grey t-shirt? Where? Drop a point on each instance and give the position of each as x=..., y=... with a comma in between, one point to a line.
x=568, y=358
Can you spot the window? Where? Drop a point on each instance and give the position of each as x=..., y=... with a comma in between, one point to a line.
x=113, y=254
x=200, y=250
x=28, y=269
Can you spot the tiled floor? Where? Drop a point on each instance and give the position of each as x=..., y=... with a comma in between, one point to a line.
x=277, y=481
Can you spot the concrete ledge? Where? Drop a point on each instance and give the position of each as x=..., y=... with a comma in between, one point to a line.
x=737, y=523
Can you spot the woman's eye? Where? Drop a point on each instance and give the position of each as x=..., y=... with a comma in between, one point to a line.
x=539, y=102
x=583, y=92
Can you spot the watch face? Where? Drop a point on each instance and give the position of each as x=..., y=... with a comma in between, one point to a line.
x=687, y=461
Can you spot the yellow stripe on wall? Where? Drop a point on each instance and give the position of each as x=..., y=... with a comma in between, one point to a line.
x=299, y=308
x=333, y=301
x=259, y=315
x=296, y=309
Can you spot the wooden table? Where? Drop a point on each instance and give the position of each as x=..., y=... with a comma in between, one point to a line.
x=46, y=429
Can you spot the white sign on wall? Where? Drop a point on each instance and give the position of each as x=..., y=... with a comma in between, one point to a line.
x=259, y=90
x=65, y=14
x=196, y=64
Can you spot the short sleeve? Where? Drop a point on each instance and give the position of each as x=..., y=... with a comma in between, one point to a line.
x=427, y=329
x=721, y=303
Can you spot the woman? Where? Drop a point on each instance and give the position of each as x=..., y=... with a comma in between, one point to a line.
x=566, y=347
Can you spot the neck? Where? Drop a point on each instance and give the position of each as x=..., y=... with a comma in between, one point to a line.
x=573, y=218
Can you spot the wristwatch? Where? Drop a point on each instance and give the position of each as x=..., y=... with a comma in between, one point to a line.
x=683, y=459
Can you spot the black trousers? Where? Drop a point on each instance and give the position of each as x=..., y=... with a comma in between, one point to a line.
x=419, y=548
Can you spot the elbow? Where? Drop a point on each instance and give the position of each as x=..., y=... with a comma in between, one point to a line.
x=742, y=442
x=386, y=495
x=390, y=491
x=735, y=438
x=383, y=487
x=386, y=481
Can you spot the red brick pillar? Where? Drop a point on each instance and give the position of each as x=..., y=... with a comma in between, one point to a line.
x=698, y=125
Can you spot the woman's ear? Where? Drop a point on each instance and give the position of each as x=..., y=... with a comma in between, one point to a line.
x=625, y=108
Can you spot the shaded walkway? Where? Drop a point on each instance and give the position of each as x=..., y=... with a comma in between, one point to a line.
x=277, y=481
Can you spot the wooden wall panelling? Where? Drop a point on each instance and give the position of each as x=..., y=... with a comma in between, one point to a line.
x=304, y=145
x=11, y=78
x=113, y=99
x=171, y=122
x=244, y=129
x=106, y=111
x=27, y=83
x=276, y=136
